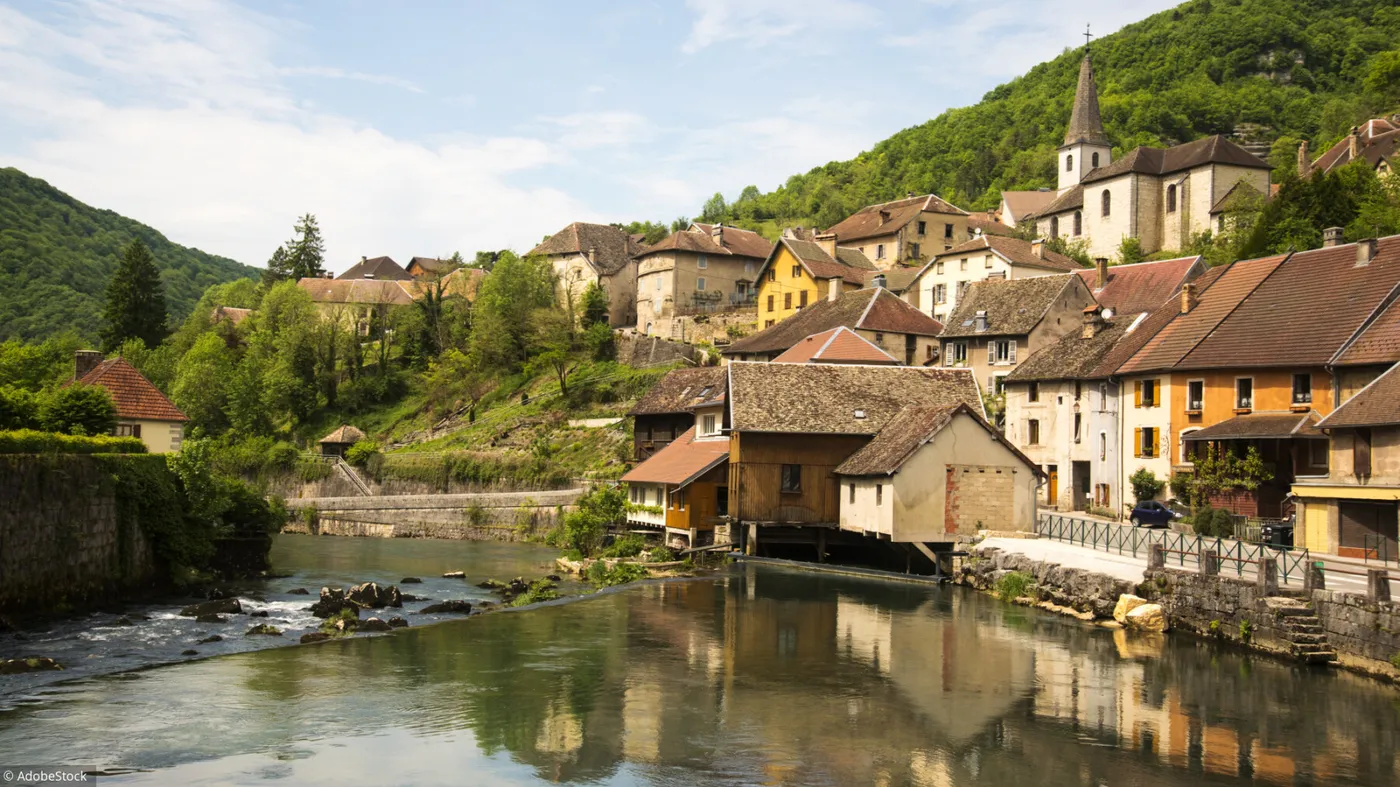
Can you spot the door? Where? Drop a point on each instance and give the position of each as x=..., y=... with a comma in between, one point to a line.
x=1052, y=488
x=1368, y=530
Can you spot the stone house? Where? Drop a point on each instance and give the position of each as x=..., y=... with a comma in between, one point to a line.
x=380, y=268
x=143, y=411
x=582, y=254
x=906, y=231
x=358, y=303
x=873, y=314
x=799, y=273
x=943, y=279
x=704, y=268
x=937, y=474
x=668, y=408
x=430, y=267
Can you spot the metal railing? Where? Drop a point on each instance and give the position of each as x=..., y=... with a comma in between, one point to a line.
x=1182, y=548
x=1375, y=547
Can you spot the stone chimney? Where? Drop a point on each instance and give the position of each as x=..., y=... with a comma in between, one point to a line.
x=1101, y=272
x=1354, y=143
x=1332, y=236
x=980, y=321
x=1188, y=297
x=1365, y=252
x=878, y=281
x=910, y=195
x=363, y=258
x=593, y=254
x=884, y=216
x=1304, y=160
x=828, y=243
x=1038, y=248
x=85, y=361
x=1093, y=322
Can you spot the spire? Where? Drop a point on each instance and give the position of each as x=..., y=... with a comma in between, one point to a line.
x=1084, y=123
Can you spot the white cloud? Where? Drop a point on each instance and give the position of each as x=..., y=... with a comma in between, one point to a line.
x=759, y=22
x=587, y=130
x=328, y=72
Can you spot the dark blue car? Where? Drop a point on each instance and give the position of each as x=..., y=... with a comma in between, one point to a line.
x=1150, y=513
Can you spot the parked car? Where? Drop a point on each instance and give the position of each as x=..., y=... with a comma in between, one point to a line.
x=1150, y=513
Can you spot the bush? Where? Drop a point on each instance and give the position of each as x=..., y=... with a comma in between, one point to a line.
x=582, y=529
x=19, y=409
x=1222, y=524
x=629, y=545
x=600, y=576
x=78, y=409
x=29, y=441
x=1014, y=584
x=1204, y=520
x=1146, y=484
x=361, y=453
x=539, y=590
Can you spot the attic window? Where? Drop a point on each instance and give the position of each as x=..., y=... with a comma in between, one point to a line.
x=859, y=413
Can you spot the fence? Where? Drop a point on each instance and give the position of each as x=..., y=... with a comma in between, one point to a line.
x=1181, y=548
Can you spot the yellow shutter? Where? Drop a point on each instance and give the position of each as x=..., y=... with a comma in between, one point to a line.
x=1137, y=393
x=1137, y=441
x=1156, y=393
x=1151, y=447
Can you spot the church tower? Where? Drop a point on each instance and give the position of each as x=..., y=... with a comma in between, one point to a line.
x=1086, y=146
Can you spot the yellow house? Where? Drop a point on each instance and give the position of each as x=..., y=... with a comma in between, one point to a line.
x=799, y=273
x=143, y=411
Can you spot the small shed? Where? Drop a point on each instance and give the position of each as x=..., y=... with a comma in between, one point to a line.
x=338, y=442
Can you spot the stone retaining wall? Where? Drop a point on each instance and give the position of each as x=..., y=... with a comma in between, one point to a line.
x=456, y=531
x=1226, y=608
x=1359, y=628
x=1075, y=588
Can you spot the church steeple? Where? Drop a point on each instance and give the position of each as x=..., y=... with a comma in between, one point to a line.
x=1085, y=125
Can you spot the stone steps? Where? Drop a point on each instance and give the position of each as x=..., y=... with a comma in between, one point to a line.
x=1302, y=629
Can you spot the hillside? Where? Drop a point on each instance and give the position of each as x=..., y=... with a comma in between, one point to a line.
x=56, y=255
x=1278, y=71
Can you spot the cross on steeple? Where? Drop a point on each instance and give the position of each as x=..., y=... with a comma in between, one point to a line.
x=1087, y=35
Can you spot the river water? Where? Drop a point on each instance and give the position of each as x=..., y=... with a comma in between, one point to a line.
x=759, y=675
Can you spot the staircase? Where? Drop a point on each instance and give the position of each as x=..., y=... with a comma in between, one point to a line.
x=353, y=477
x=1299, y=626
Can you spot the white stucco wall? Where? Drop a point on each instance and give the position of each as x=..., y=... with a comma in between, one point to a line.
x=1133, y=418
x=160, y=437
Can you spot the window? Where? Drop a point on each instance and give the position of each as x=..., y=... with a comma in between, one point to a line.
x=987, y=261
x=1033, y=432
x=1078, y=223
x=678, y=500
x=880, y=251
x=1171, y=198
x=1145, y=442
x=660, y=497
x=1361, y=453
x=1220, y=223
x=1033, y=392
x=1069, y=162
x=128, y=430
x=1095, y=163
x=1195, y=396
x=177, y=436
x=1078, y=390
x=1001, y=351
x=923, y=227
x=700, y=284
x=955, y=353
x=928, y=351
x=938, y=268
x=772, y=274
x=792, y=478
x=797, y=271
x=947, y=230
x=802, y=299
x=707, y=425
x=880, y=339
x=1103, y=446
x=1147, y=393
x=632, y=494
x=658, y=284
x=998, y=385
x=1106, y=203
x=1054, y=227
x=1078, y=424
x=1244, y=393
x=748, y=269
x=702, y=262
x=914, y=250
x=879, y=494
x=1318, y=455
x=787, y=300
x=962, y=264
x=940, y=293
x=851, y=496
x=768, y=323
x=1302, y=388
x=770, y=303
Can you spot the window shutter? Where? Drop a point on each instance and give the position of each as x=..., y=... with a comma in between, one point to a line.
x=1137, y=393
x=1011, y=344
x=991, y=353
x=1151, y=442
x=1156, y=393
x=1137, y=441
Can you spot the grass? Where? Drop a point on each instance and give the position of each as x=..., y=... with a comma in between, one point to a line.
x=540, y=590
x=1014, y=584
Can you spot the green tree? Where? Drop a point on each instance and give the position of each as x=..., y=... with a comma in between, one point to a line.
x=1146, y=485
x=279, y=268
x=553, y=348
x=135, y=305
x=501, y=317
x=78, y=409
x=715, y=209
x=201, y=384
x=19, y=409
x=595, y=305
x=306, y=253
x=1130, y=251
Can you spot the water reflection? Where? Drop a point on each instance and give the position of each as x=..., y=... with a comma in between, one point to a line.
x=761, y=676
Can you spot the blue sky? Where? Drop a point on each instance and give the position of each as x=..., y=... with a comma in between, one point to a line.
x=420, y=128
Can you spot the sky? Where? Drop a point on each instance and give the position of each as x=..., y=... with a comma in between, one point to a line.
x=424, y=128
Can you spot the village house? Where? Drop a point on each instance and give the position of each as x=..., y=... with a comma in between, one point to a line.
x=899, y=281
x=1161, y=197
x=943, y=279
x=683, y=489
x=1002, y=322
x=143, y=411
x=358, y=304
x=838, y=345
x=988, y=223
x=791, y=425
x=380, y=268
x=704, y=268
x=1017, y=206
x=431, y=267
x=800, y=272
x=874, y=314
x=582, y=254
x=1374, y=142
x=937, y=474
x=668, y=408
x=903, y=231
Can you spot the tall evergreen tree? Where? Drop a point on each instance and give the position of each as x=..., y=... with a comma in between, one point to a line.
x=135, y=307
x=278, y=268
x=306, y=254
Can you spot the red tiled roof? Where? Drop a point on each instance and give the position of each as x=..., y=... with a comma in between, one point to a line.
x=889, y=217
x=682, y=460
x=988, y=226
x=360, y=291
x=745, y=243
x=1379, y=140
x=345, y=434
x=873, y=309
x=838, y=345
x=136, y=397
x=1142, y=287
x=613, y=249
x=1013, y=250
x=1378, y=404
x=381, y=268
x=1378, y=342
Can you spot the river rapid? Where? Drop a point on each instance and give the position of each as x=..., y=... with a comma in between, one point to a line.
x=757, y=675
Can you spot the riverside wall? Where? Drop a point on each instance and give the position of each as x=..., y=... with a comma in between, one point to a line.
x=498, y=516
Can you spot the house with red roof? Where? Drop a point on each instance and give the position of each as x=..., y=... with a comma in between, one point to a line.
x=142, y=410
x=903, y=232
x=838, y=345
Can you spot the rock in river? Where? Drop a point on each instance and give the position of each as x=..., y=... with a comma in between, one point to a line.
x=397, y=623
x=262, y=613
x=223, y=606
x=28, y=664
x=189, y=652
x=209, y=639
x=410, y=581
x=332, y=602
x=298, y=592
x=211, y=619
x=374, y=624
x=263, y=629
x=457, y=606
x=1147, y=617
x=123, y=621
x=1126, y=603
x=315, y=636
x=374, y=596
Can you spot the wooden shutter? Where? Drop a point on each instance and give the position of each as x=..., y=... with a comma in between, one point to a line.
x=1137, y=393
x=1156, y=393
x=1361, y=453
x=991, y=353
x=1011, y=345
x=1137, y=440
x=1153, y=435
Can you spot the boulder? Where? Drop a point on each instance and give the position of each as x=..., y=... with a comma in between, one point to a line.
x=211, y=619
x=263, y=630
x=456, y=606
x=374, y=624
x=136, y=616
x=454, y=575
x=410, y=597
x=553, y=577
x=1126, y=603
x=410, y=581
x=397, y=623
x=372, y=595
x=189, y=652
x=1147, y=617
x=518, y=585
x=262, y=613
x=332, y=601
x=492, y=584
x=346, y=625
x=223, y=606
x=298, y=592
x=28, y=664
x=209, y=639
x=315, y=636
x=123, y=621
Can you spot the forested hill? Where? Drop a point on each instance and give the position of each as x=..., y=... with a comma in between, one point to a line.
x=1298, y=69
x=56, y=255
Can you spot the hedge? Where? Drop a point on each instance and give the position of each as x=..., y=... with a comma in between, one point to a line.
x=30, y=441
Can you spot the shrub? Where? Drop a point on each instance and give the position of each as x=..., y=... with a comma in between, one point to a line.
x=1182, y=486
x=78, y=409
x=539, y=590
x=1146, y=484
x=362, y=452
x=19, y=409
x=1395, y=661
x=1014, y=584
x=583, y=528
x=629, y=545
x=600, y=576
x=663, y=555
x=29, y=441
x=1204, y=520
x=1222, y=523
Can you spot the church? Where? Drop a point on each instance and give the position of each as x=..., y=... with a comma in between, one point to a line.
x=1160, y=196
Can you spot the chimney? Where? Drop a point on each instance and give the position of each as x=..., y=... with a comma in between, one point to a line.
x=833, y=288
x=1354, y=144
x=910, y=195
x=980, y=321
x=1365, y=252
x=1038, y=248
x=1101, y=275
x=1093, y=322
x=593, y=254
x=1188, y=297
x=1304, y=160
x=828, y=243
x=85, y=361
x=878, y=281
x=363, y=258
x=1332, y=236
x=884, y=216
x=717, y=232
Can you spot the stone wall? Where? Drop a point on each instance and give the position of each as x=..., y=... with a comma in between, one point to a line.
x=1075, y=588
x=496, y=517
x=457, y=531
x=640, y=351
x=62, y=541
x=1220, y=607
x=1357, y=627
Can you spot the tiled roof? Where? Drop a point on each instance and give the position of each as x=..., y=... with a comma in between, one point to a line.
x=1013, y=250
x=733, y=241
x=1013, y=306
x=345, y=434
x=1260, y=426
x=897, y=279
x=872, y=309
x=433, y=265
x=838, y=345
x=680, y=390
x=1072, y=357
x=463, y=282
x=613, y=249
x=1085, y=124
x=136, y=397
x=889, y=217
x=229, y=313
x=681, y=461
x=1239, y=195
x=1142, y=286
x=1214, y=149
x=745, y=243
x=819, y=398
x=1026, y=203
x=1379, y=140
x=1378, y=342
x=979, y=221
x=1378, y=404
x=1072, y=199
x=907, y=432
x=381, y=268
x=358, y=291
x=1143, y=328
x=848, y=264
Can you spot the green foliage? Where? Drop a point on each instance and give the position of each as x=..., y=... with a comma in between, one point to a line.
x=1013, y=585
x=302, y=257
x=38, y=365
x=1077, y=250
x=629, y=545
x=362, y=453
x=1146, y=485
x=1395, y=661
x=539, y=590
x=202, y=382
x=651, y=232
x=600, y=576
x=1219, y=470
x=134, y=307
x=1246, y=631
x=595, y=305
x=663, y=555
x=78, y=409
x=149, y=497
x=1130, y=251
x=508, y=298
x=19, y=409
x=30, y=441
x=342, y=623
x=1222, y=524
x=583, y=528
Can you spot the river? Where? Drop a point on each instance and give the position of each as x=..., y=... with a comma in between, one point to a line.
x=758, y=675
